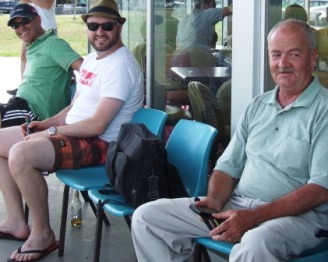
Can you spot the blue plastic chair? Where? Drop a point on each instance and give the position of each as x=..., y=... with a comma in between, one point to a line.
x=188, y=149
x=87, y=178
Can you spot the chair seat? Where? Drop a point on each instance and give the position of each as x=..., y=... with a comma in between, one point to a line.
x=112, y=208
x=220, y=246
x=319, y=253
x=86, y=178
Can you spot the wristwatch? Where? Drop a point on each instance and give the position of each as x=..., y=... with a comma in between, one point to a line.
x=52, y=131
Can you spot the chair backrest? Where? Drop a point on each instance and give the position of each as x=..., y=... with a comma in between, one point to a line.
x=205, y=107
x=153, y=119
x=322, y=43
x=223, y=97
x=188, y=149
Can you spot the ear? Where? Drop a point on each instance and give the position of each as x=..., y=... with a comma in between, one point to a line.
x=38, y=19
x=314, y=58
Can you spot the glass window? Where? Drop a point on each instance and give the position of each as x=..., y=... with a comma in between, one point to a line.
x=191, y=43
x=316, y=12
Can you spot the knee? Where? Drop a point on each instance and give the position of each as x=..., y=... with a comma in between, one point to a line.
x=141, y=215
x=17, y=158
x=149, y=215
x=255, y=244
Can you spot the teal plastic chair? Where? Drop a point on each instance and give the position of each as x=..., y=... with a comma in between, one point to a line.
x=317, y=254
x=188, y=149
x=87, y=178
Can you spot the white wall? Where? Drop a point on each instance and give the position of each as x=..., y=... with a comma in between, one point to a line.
x=248, y=54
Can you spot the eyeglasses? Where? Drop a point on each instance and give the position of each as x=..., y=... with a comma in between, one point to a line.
x=24, y=21
x=105, y=26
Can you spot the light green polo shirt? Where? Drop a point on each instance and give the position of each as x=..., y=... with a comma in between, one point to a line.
x=275, y=150
x=47, y=76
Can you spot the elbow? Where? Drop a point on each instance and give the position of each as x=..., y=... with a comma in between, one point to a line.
x=100, y=129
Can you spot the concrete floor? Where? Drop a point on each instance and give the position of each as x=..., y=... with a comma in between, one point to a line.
x=9, y=75
x=116, y=241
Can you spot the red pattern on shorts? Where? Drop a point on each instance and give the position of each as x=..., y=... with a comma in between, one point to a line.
x=74, y=153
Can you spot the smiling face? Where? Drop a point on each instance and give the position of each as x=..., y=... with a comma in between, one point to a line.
x=28, y=33
x=291, y=60
x=105, y=41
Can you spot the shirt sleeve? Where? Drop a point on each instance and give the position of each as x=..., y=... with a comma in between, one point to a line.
x=62, y=53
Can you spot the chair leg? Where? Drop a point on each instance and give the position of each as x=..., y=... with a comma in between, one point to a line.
x=200, y=252
x=26, y=212
x=99, y=225
x=63, y=221
x=128, y=221
x=85, y=196
x=93, y=207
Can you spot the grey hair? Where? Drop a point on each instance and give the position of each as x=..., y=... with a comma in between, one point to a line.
x=307, y=30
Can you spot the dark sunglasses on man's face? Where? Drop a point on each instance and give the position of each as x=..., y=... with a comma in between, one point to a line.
x=24, y=21
x=105, y=26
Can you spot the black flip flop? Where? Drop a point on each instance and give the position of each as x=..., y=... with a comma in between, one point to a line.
x=42, y=253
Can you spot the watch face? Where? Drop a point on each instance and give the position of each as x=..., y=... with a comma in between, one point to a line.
x=52, y=130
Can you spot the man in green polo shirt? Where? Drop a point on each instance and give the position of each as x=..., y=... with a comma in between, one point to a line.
x=45, y=87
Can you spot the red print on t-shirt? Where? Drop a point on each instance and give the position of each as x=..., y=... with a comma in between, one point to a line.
x=87, y=78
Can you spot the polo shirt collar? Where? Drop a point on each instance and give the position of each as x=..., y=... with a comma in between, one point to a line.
x=304, y=100
x=42, y=37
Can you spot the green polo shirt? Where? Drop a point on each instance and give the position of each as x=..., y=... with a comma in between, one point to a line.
x=275, y=151
x=47, y=76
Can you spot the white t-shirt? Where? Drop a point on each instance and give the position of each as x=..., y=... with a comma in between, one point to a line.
x=48, y=16
x=117, y=76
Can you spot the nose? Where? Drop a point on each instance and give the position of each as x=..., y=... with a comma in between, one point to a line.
x=100, y=30
x=283, y=62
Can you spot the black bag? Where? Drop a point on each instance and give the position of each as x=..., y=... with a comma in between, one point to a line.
x=136, y=166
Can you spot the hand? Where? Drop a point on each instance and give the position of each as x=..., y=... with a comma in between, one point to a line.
x=208, y=202
x=35, y=128
x=236, y=223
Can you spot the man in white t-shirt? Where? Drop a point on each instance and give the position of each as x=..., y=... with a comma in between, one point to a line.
x=109, y=92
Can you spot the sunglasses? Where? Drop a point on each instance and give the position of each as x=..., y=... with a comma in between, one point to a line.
x=24, y=21
x=105, y=26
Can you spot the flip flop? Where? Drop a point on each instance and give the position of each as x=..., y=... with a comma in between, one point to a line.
x=42, y=253
x=9, y=236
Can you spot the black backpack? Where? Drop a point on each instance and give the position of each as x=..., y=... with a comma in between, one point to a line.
x=137, y=168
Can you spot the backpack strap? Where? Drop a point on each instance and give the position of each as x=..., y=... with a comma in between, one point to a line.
x=153, y=180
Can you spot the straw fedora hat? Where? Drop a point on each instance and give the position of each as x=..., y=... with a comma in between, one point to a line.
x=104, y=8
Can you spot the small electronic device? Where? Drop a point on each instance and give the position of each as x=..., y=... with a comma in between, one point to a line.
x=206, y=215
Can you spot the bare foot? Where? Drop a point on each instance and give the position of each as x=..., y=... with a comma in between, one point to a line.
x=19, y=231
x=35, y=248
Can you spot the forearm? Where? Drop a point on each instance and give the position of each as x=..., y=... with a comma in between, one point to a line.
x=81, y=129
x=295, y=203
x=220, y=187
x=58, y=119
x=94, y=125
